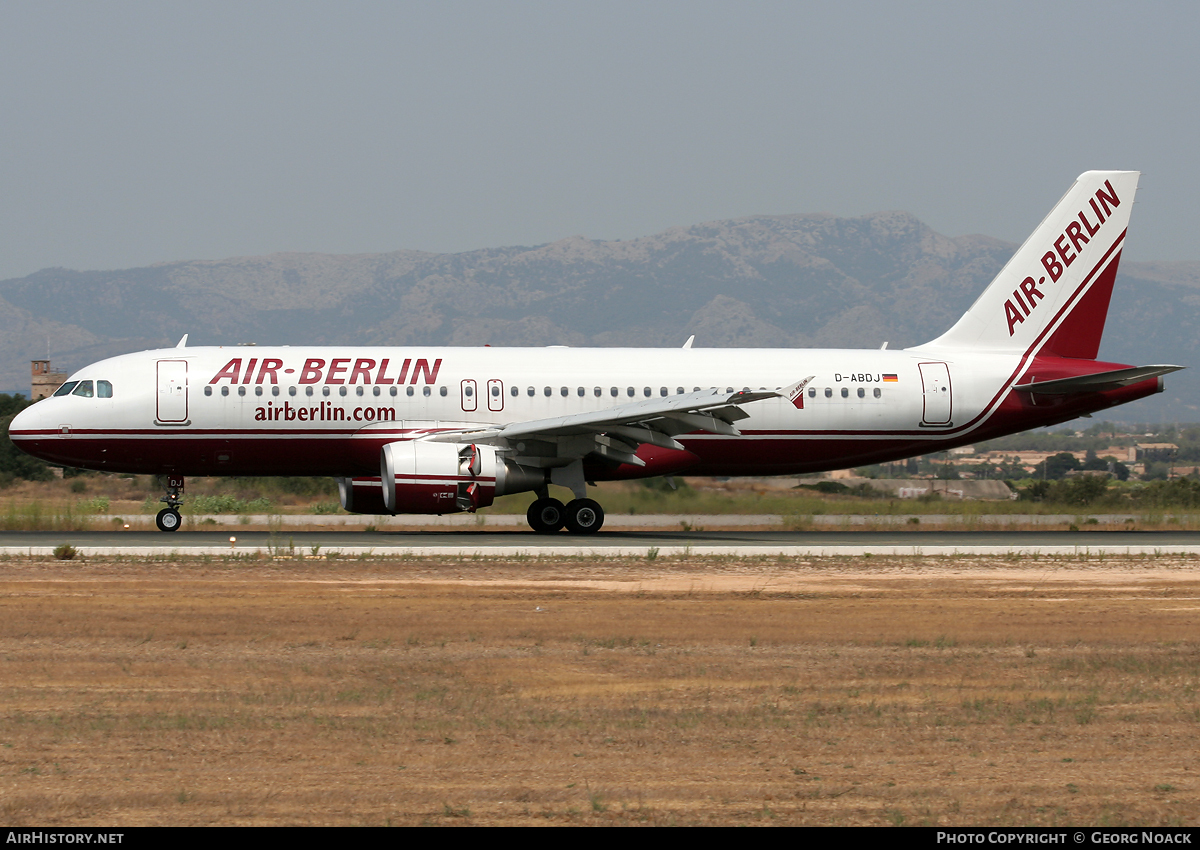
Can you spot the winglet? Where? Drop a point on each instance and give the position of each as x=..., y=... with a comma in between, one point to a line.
x=795, y=392
x=183, y=342
x=689, y=342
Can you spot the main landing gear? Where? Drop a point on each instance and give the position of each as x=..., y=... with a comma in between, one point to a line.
x=168, y=518
x=580, y=516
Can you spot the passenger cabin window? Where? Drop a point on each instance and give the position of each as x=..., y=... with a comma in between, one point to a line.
x=597, y=392
x=427, y=391
x=812, y=392
x=394, y=391
x=325, y=391
x=878, y=393
x=845, y=392
x=443, y=391
x=862, y=393
x=224, y=390
x=103, y=389
x=66, y=388
x=208, y=390
x=564, y=392
x=84, y=389
x=241, y=390
x=829, y=392
x=409, y=391
x=291, y=390
x=513, y=391
x=646, y=392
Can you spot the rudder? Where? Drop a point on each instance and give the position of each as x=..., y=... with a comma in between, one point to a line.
x=1053, y=295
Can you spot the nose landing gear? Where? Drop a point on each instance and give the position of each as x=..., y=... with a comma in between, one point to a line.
x=168, y=518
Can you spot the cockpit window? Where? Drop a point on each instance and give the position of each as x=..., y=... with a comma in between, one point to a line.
x=103, y=389
x=84, y=389
x=66, y=388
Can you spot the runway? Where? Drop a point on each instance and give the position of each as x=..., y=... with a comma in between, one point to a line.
x=607, y=544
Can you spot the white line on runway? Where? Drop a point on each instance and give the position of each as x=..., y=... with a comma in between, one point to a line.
x=583, y=550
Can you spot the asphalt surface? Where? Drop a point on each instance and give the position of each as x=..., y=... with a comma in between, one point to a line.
x=396, y=543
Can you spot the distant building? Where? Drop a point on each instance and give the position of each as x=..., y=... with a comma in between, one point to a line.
x=45, y=381
x=1156, y=451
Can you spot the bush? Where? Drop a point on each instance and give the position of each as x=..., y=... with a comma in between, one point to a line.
x=227, y=504
x=65, y=552
x=98, y=505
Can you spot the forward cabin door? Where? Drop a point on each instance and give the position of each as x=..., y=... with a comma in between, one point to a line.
x=172, y=392
x=939, y=405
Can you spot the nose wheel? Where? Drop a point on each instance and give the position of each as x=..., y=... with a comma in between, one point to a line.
x=168, y=518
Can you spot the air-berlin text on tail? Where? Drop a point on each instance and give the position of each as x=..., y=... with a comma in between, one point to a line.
x=339, y=371
x=1067, y=248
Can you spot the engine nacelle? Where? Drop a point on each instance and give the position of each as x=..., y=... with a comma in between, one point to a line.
x=436, y=478
x=440, y=478
x=362, y=495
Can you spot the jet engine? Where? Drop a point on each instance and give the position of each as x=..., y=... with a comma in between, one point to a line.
x=362, y=495
x=421, y=477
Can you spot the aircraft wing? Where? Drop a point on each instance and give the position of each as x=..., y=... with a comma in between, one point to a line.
x=616, y=432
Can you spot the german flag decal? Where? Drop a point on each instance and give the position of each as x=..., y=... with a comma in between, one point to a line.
x=891, y=379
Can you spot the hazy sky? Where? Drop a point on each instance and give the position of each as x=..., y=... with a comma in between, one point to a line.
x=134, y=133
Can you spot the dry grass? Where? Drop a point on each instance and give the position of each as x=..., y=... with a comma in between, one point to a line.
x=880, y=691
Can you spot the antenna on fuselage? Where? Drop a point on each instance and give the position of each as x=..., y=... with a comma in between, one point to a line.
x=884, y=346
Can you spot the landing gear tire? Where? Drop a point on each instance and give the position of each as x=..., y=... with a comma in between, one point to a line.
x=168, y=520
x=584, y=516
x=546, y=516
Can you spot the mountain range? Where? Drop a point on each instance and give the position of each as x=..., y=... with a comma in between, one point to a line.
x=791, y=281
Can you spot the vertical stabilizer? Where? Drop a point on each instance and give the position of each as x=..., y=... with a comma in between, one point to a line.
x=1053, y=294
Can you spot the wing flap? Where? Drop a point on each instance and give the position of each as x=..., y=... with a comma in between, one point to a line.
x=617, y=432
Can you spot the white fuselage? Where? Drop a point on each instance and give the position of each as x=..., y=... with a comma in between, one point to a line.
x=325, y=411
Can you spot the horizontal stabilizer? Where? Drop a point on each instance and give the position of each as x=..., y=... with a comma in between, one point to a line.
x=1097, y=382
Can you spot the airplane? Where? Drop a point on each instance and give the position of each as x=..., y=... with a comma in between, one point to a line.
x=430, y=430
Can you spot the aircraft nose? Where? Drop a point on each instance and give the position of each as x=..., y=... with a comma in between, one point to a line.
x=25, y=423
x=22, y=421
